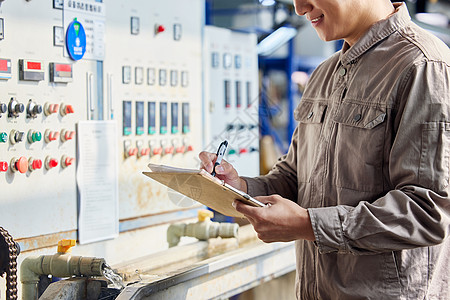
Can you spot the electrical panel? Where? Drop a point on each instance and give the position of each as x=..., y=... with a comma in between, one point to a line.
x=153, y=88
x=43, y=94
x=231, y=96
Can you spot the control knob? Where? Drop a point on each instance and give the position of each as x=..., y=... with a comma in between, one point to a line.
x=15, y=108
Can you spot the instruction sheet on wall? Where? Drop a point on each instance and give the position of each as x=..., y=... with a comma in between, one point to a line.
x=97, y=181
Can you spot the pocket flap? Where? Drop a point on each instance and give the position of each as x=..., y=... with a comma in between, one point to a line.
x=310, y=112
x=361, y=116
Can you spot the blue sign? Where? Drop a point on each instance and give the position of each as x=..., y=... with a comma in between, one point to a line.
x=76, y=40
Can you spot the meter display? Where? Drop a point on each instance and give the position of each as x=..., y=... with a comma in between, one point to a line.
x=127, y=110
x=174, y=119
x=163, y=118
x=151, y=114
x=185, y=117
x=139, y=117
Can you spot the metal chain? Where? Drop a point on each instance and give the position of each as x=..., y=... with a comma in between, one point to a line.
x=11, y=270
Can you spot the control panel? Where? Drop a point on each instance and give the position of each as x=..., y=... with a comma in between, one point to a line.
x=231, y=96
x=42, y=97
x=153, y=90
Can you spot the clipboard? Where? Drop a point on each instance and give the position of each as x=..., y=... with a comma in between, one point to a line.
x=201, y=186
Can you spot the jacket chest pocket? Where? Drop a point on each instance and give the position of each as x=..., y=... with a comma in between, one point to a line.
x=356, y=161
x=310, y=115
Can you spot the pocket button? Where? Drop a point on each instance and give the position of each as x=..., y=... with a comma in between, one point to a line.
x=357, y=117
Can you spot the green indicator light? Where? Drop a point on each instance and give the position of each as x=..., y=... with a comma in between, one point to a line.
x=140, y=130
x=163, y=130
x=174, y=129
x=186, y=129
x=232, y=151
x=37, y=136
x=127, y=131
x=151, y=130
x=3, y=137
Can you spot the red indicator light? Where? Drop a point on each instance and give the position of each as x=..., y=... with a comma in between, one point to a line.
x=160, y=29
x=36, y=164
x=3, y=65
x=63, y=68
x=33, y=65
x=3, y=166
x=157, y=151
x=243, y=150
x=190, y=148
x=53, y=163
x=180, y=149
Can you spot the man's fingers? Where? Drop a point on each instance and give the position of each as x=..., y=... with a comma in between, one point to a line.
x=245, y=209
x=207, y=159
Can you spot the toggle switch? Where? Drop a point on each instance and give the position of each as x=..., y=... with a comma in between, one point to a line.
x=168, y=150
x=50, y=162
x=3, y=166
x=20, y=164
x=50, y=108
x=16, y=136
x=67, y=135
x=129, y=151
x=3, y=109
x=33, y=109
x=66, y=109
x=141, y=150
x=67, y=161
x=15, y=108
x=34, y=136
x=51, y=136
x=34, y=164
x=180, y=149
x=3, y=137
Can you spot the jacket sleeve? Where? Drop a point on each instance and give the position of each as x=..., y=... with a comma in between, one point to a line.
x=416, y=212
x=281, y=180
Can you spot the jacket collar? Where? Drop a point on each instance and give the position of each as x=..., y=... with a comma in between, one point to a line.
x=376, y=33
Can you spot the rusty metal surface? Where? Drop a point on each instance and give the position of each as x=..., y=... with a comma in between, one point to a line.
x=221, y=276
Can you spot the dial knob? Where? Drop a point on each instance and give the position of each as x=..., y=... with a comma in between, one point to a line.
x=33, y=109
x=15, y=108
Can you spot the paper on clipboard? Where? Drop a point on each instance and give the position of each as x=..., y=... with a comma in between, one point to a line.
x=201, y=186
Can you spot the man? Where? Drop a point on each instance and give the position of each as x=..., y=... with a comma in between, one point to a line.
x=364, y=187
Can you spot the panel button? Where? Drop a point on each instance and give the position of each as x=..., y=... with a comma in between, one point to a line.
x=66, y=109
x=67, y=161
x=50, y=108
x=20, y=164
x=3, y=166
x=50, y=162
x=67, y=135
x=34, y=136
x=34, y=164
x=3, y=137
x=51, y=136
x=16, y=136
x=3, y=109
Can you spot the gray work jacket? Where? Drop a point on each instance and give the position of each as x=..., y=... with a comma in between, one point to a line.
x=370, y=160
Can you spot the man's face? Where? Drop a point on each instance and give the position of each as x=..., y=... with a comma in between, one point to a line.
x=332, y=19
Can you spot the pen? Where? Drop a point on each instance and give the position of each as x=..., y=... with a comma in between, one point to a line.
x=220, y=153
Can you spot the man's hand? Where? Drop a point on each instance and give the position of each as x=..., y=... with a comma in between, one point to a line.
x=225, y=171
x=281, y=221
